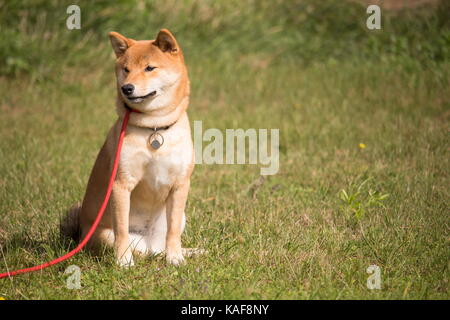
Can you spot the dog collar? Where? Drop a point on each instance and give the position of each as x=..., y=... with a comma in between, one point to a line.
x=156, y=139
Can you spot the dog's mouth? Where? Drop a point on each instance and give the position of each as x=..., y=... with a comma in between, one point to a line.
x=140, y=99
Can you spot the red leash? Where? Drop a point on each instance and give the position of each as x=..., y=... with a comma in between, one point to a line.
x=97, y=220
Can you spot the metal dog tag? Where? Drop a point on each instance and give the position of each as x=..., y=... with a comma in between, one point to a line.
x=155, y=144
x=154, y=140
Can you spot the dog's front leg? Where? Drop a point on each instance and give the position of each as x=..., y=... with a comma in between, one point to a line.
x=120, y=210
x=175, y=205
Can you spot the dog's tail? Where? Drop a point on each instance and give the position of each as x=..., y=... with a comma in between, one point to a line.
x=70, y=225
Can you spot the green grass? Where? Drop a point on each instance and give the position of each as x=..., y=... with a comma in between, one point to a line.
x=308, y=232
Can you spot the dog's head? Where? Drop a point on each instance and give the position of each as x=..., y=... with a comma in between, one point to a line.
x=150, y=72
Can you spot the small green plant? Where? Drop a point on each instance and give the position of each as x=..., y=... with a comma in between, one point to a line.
x=356, y=203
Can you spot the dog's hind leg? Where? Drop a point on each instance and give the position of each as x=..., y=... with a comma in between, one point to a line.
x=101, y=238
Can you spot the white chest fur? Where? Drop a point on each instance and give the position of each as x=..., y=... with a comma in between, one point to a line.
x=156, y=170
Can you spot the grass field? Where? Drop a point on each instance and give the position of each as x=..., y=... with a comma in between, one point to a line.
x=364, y=148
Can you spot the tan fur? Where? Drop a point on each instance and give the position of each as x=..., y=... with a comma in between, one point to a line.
x=151, y=187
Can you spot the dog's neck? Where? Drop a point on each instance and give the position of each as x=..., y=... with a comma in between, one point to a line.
x=154, y=119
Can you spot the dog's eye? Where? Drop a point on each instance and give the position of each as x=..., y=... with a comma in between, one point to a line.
x=126, y=70
x=150, y=68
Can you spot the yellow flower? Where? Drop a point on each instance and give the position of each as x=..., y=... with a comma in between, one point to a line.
x=362, y=146
x=1, y=298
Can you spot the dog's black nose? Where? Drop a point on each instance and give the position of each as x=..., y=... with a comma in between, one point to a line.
x=127, y=89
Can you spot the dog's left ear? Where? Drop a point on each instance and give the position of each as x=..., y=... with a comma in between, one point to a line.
x=167, y=42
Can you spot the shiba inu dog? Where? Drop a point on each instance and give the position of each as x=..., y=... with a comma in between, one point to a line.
x=145, y=214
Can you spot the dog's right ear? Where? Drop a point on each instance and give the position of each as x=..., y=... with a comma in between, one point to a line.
x=119, y=43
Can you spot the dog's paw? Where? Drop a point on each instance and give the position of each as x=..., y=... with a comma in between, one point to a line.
x=190, y=252
x=175, y=258
x=126, y=261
